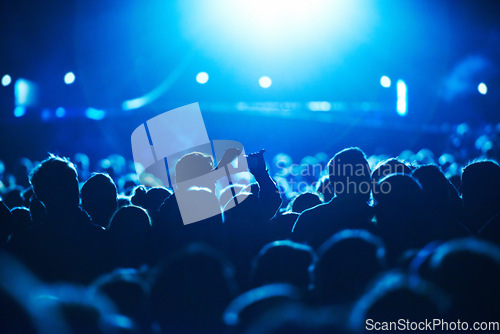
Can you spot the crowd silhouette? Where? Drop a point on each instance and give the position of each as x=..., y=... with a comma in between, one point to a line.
x=375, y=238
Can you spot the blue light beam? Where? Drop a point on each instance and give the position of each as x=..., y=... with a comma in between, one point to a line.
x=402, y=106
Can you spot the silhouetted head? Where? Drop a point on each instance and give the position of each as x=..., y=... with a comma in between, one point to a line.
x=397, y=296
x=283, y=261
x=469, y=269
x=191, y=289
x=55, y=183
x=99, y=198
x=388, y=167
x=399, y=211
x=252, y=305
x=346, y=263
x=130, y=223
x=129, y=292
x=138, y=196
x=303, y=202
x=350, y=174
x=191, y=166
x=480, y=191
x=324, y=188
x=154, y=199
x=435, y=188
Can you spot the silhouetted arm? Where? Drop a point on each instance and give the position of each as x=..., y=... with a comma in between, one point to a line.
x=268, y=194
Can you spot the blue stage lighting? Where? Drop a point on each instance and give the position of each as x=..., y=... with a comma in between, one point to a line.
x=319, y=106
x=45, y=114
x=482, y=88
x=19, y=111
x=69, y=78
x=276, y=31
x=60, y=112
x=402, y=106
x=325, y=106
x=24, y=92
x=265, y=82
x=6, y=80
x=95, y=114
x=202, y=78
x=385, y=81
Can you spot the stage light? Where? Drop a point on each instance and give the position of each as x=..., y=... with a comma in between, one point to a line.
x=19, y=111
x=60, y=112
x=95, y=114
x=265, y=82
x=69, y=78
x=25, y=92
x=402, y=104
x=325, y=106
x=202, y=78
x=313, y=106
x=319, y=106
x=45, y=114
x=385, y=81
x=278, y=32
x=6, y=80
x=482, y=88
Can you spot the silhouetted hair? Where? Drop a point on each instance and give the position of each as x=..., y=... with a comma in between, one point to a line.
x=347, y=261
x=480, y=190
x=304, y=201
x=130, y=220
x=193, y=165
x=348, y=168
x=283, y=261
x=469, y=269
x=55, y=183
x=190, y=290
x=388, y=167
x=397, y=296
x=99, y=198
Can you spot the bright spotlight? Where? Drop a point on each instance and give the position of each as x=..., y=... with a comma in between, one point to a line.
x=402, y=106
x=60, y=112
x=274, y=28
x=6, y=80
x=325, y=106
x=69, y=78
x=482, y=88
x=19, y=111
x=265, y=82
x=25, y=93
x=202, y=77
x=95, y=114
x=385, y=81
